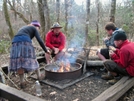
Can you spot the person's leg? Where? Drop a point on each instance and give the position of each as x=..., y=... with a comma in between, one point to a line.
x=114, y=68
x=21, y=75
x=103, y=54
x=114, y=71
x=38, y=74
x=59, y=56
x=47, y=58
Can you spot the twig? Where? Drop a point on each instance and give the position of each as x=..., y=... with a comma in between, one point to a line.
x=9, y=79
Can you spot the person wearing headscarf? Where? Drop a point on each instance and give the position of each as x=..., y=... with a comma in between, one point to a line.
x=22, y=53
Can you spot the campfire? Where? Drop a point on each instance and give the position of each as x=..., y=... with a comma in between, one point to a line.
x=62, y=66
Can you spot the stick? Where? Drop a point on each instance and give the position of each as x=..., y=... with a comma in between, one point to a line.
x=85, y=62
x=9, y=79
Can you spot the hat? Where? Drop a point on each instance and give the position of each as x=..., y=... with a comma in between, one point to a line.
x=120, y=35
x=35, y=23
x=56, y=25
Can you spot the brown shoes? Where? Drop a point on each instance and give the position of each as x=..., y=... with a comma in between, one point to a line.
x=111, y=80
x=23, y=85
x=107, y=77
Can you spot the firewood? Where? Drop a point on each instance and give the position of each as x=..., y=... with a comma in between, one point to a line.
x=91, y=63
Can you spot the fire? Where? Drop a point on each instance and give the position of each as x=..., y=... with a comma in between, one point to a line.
x=64, y=67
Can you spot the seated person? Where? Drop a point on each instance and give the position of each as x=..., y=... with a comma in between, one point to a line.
x=122, y=62
x=55, y=42
x=110, y=27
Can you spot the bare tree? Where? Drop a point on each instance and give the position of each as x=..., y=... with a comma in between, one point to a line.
x=97, y=22
x=7, y=18
x=113, y=9
x=42, y=17
x=15, y=15
x=87, y=21
x=58, y=9
x=47, y=15
x=71, y=17
x=66, y=16
x=18, y=13
x=31, y=7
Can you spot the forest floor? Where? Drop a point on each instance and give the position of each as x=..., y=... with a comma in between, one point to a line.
x=85, y=90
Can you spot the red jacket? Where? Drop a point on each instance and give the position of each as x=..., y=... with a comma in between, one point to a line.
x=124, y=57
x=53, y=40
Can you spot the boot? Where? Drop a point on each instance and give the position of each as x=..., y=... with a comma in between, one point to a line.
x=113, y=81
x=23, y=85
x=107, y=76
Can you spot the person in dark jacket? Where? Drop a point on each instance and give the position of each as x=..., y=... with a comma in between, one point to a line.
x=122, y=62
x=110, y=28
x=22, y=53
x=55, y=41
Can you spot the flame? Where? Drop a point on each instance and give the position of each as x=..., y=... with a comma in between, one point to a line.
x=64, y=67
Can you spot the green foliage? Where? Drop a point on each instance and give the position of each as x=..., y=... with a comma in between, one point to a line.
x=92, y=37
x=125, y=28
x=4, y=46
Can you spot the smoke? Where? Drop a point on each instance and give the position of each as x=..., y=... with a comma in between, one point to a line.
x=75, y=45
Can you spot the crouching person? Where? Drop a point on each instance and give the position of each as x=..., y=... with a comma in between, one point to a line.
x=122, y=59
x=55, y=41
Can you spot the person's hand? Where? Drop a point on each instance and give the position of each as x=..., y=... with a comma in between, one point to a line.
x=48, y=52
x=111, y=53
x=106, y=38
x=56, y=50
x=112, y=48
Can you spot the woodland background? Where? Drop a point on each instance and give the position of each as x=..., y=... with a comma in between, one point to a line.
x=82, y=24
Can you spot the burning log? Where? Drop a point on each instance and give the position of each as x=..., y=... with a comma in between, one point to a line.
x=62, y=67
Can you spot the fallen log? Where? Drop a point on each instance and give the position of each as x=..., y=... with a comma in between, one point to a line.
x=117, y=90
x=89, y=57
x=91, y=63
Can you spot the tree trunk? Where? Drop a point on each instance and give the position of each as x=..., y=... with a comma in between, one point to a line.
x=58, y=9
x=87, y=21
x=70, y=17
x=18, y=13
x=97, y=22
x=42, y=18
x=15, y=15
x=7, y=18
x=113, y=9
x=66, y=17
x=31, y=7
x=47, y=17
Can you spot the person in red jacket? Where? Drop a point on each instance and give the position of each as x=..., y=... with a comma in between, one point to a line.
x=122, y=59
x=55, y=41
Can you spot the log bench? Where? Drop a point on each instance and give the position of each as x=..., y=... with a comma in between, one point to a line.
x=13, y=94
x=114, y=92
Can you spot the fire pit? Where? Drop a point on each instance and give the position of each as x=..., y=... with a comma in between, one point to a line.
x=62, y=72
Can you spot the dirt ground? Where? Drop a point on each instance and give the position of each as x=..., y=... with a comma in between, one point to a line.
x=85, y=90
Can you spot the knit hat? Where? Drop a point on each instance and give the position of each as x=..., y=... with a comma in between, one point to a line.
x=56, y=25
x=120, y=35
x=35, y=23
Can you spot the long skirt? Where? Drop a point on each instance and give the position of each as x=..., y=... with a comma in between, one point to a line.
x=22, y=55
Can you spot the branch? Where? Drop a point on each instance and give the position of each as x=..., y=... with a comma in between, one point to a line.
x=18, y=13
